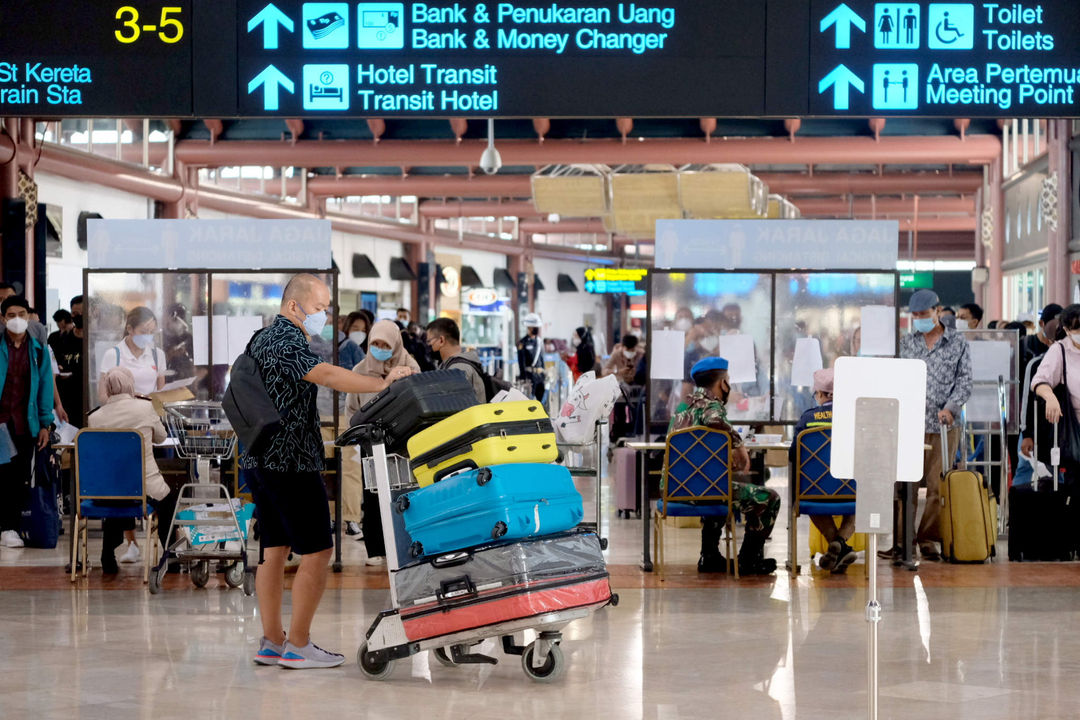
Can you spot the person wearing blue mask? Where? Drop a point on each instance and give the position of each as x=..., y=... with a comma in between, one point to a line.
x=948, y=387
x=386, y=354
x=138, y=352
x=286, y=475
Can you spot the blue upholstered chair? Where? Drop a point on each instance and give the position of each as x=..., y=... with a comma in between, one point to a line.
x=109, y=483
x=814, y=490
x=697, y=469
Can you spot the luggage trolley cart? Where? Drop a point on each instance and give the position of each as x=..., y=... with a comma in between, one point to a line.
x=593, y=448
x=205, y=512
x=403, y=631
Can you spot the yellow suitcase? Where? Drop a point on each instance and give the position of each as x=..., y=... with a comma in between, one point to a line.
x=480, y=436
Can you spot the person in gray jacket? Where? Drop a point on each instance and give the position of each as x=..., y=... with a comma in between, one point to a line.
x=444, y=338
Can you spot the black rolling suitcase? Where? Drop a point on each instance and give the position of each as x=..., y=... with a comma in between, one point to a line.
x=1043, y=518
x=412, y=404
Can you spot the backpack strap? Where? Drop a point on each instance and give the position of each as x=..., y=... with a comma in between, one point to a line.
x=117, y=349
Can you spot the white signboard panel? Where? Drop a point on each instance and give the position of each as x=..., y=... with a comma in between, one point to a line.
x=668, y=348
x=777, y=244
x=904, y=380
x=209, y=244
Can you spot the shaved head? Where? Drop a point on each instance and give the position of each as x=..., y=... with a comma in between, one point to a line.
x=304, y=288
x=304, y=295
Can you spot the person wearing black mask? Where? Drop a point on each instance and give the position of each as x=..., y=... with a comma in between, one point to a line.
x=67, y=348
x=530, y=351
x=584, y=358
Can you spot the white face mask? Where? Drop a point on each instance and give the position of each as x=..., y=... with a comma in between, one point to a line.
x=710, y=343
x=629, y=354
x=358, y=336
x=144, y=341
x=1075, y=337
x=17, y=325
x=684, y=324
x=575, y=341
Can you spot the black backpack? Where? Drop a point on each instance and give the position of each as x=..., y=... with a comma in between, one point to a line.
x=492, y=386
x=248, y=405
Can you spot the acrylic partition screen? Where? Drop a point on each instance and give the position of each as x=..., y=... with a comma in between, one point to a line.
x=159, y=305
x=994, y=354
x=698, y=315
x=244, y=303
x=819, y=318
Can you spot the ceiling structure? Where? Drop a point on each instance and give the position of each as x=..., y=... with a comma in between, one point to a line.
x=924, y=173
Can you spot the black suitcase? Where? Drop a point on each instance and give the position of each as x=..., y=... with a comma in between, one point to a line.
x=1042, y=518
x=412, y=404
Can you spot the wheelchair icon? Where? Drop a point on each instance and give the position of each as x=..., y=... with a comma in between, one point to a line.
x=946, y=32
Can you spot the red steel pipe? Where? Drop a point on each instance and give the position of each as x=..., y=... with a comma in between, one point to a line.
x=835, y=183
x=436, y=209
x=82, y=167
x=975, y=150
x=886, y=206
x=563, y=227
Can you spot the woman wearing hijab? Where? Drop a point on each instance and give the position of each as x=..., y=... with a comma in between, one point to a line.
x=123, y=410
x=584, y=358
x=385, y=352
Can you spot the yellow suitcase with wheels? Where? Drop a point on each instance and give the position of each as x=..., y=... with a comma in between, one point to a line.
x=481, y=436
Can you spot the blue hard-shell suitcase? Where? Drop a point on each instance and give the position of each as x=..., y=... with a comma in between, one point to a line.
x=501, y=502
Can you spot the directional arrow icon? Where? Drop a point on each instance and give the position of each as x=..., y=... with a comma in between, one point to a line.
x=270, y=17
x=843, y=80
x=843, y=18
x=272, y=80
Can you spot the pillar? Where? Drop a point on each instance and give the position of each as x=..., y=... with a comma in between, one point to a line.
x=995, y=198
x=1057, y=264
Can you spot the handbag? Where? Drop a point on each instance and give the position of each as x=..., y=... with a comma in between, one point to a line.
x=1068, y=426
x=251, y=411
x=41, y=517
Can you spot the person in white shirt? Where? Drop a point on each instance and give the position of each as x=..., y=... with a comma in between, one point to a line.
x=123, y=410
x=137, y=353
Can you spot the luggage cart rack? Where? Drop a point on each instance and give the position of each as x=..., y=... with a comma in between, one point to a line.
x=207, y=517
x=387, y=640
x=595, y=448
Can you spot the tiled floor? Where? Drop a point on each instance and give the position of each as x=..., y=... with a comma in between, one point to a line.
x=987, y=642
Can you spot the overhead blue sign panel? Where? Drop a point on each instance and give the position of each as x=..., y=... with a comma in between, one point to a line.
x=982, y=59
x=395, y=59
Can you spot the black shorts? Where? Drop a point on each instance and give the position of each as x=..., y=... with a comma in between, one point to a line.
x=292, y=509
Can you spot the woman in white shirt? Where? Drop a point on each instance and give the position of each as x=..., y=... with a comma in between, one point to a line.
x=137, y=353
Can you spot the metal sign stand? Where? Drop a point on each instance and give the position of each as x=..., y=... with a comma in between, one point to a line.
x=877, y=422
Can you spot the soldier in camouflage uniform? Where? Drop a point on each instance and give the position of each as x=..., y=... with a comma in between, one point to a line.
x=706, y=406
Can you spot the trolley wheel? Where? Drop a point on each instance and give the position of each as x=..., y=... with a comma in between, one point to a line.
x=401, y=504
x=373, y=670
x=416, y=549
x=499, y=530
x=603, y=543
x=154, y=582
x=234, y=575
x=443, y=658
x=552, y=669
x=483, y=477
x=200, y=573
x=249, y=582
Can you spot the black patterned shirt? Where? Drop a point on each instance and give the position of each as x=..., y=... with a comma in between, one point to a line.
x=284, y=358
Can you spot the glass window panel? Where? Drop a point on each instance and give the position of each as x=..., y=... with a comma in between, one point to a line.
x=825, y=306
x=168, y=302
x=720, y=306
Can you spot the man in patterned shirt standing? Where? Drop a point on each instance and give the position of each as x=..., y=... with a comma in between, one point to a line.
x=286, y=477
x=948, y=387
x=706, y=406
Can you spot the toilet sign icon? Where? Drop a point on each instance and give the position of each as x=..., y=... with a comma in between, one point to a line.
x=951, y=26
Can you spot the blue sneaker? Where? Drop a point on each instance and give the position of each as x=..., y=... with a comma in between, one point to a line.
x=269, y=653
x=309, y=656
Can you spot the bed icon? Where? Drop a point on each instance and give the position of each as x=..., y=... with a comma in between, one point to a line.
x=326, y=87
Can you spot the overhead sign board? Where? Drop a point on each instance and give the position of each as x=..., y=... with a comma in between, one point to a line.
x=78, y=58
x=955, y=59
x=499, y=58
x=610, y=281
x=777, y=244
x=538, y=58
